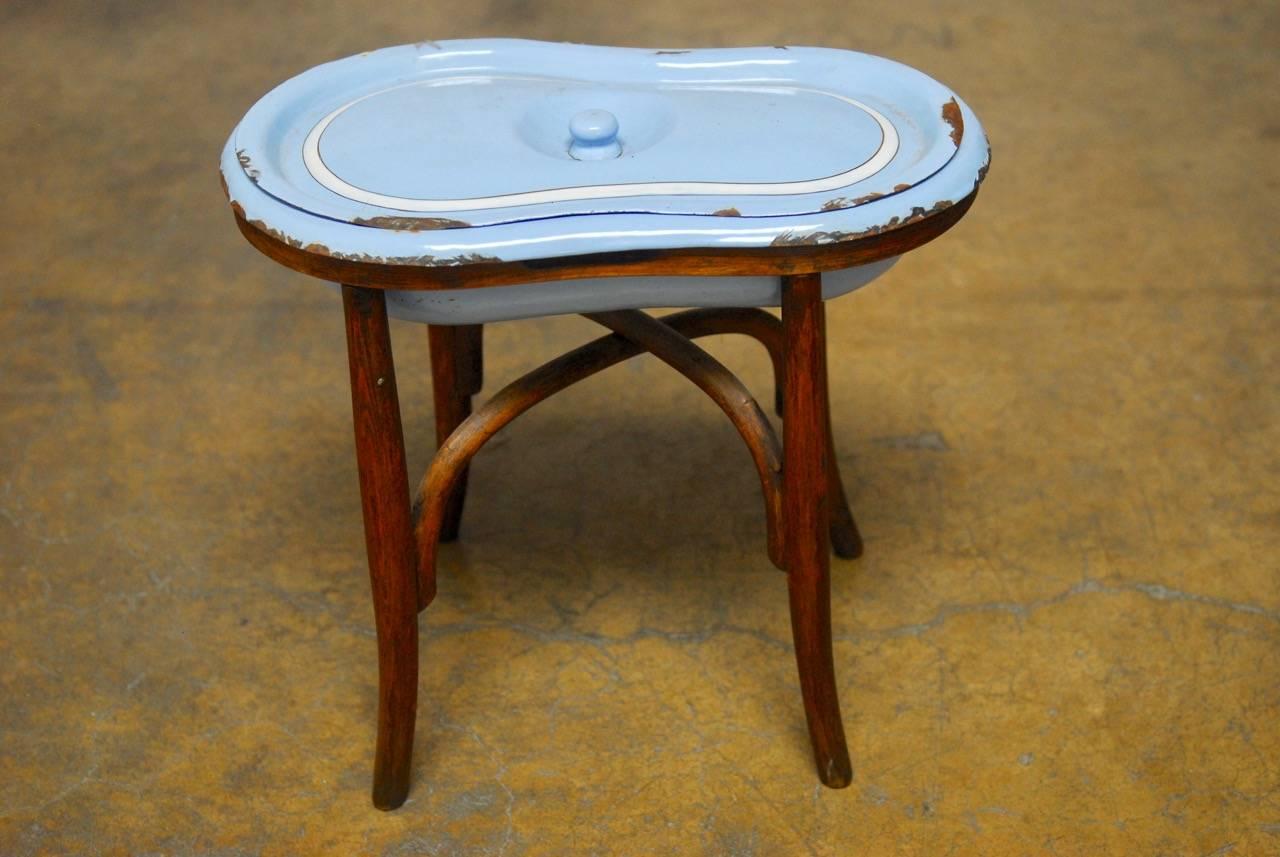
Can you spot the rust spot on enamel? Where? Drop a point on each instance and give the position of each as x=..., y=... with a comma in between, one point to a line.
x=844, y=202
x=249, y=170
x=951, y=115
x=317, y=249
x=424, y=261
x=813, y=239
x=899, y=188
x=727, y=212
x=275, y=233
x=410, y=224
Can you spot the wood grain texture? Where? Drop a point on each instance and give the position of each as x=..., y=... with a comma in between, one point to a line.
x=456, y=374
x=797, y=258
x=805, y=486
x=384, y=493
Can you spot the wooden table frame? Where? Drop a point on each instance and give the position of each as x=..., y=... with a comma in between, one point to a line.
x=806, y=509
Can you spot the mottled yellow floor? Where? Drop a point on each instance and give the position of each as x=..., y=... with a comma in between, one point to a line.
x=1059, y=425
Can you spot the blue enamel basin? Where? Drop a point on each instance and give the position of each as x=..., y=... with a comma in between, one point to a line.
x=445, y=153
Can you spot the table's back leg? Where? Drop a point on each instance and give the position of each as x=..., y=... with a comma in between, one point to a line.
x=805, y=487
x=456, y=375
x=388, y=531
x=846, y=541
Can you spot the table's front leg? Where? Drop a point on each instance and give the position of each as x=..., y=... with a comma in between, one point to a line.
x=388, y=532
x=805, y=487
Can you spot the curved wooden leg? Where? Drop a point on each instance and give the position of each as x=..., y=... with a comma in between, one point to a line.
x=457, y=374
x=805, y=485
x=388, y=532
x=766, y=329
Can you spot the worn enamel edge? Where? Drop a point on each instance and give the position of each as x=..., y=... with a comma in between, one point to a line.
x=272, y=133
x=432, y=245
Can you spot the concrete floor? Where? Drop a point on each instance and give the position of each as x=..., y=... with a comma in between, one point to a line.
x=1059, y=426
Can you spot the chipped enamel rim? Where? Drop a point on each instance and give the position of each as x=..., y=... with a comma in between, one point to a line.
x=305, y=220
x=319, y=170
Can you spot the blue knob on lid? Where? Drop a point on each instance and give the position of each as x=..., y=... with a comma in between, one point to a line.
x=595, y=136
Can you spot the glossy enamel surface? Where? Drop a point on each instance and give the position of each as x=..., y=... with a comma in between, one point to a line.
x=444, y=153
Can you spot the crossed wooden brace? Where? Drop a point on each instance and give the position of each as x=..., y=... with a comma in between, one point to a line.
x=437, y=506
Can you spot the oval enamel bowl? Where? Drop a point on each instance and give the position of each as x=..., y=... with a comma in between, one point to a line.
x=479, y=133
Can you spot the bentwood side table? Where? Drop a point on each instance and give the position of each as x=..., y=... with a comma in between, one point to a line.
x=466, y=182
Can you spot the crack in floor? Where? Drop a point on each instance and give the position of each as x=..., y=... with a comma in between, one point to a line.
x=1022, y=610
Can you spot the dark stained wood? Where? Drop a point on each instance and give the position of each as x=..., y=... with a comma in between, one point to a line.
x=456, y=374
x=805, y=486
x=583, y=362
x=384, y=492
x=708, y=261
x=765, y=327
x=471, y=339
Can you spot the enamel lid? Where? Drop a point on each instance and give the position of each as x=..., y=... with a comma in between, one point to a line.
x=475, y=133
